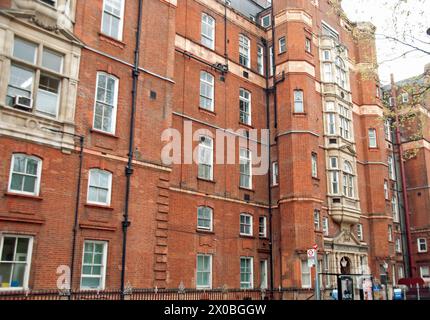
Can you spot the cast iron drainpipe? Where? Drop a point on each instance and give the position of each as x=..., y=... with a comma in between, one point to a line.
x=77, y=200
x=403, y=177
x=129, y=167
x=267, y=57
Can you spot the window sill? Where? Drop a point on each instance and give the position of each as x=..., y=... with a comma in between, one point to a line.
x=316, y=179
x=98, y=206
x=246, y=125
x=206, y=180
x=310, y=54
x=246, y=236
x=300, y=114
x=246, y=189
x=274, y=185
x=266, y=238
x=92, y=130
x=24, y=196
x=281, y=53
x=111, y=40
x=202, y=231
x=209, y=112
x=374, y=149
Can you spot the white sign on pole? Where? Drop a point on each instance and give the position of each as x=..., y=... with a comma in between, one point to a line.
x=311, y=258
x=311, y=253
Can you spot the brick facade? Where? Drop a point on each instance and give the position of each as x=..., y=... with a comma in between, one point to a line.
x=163, y=239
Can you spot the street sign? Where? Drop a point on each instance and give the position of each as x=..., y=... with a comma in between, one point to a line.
x=315, y=246
x=311, y=253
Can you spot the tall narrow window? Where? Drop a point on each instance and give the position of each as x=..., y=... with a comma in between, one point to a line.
x=298, y=101
x=15, y=260
x=205, y=218
x=245, y=224
x=262, y=227
x=207, y=91
x=372, y=138
x=317, y=220
x=204, y=271
x=341, y=75
x=206, y=158
x=244, y=51
x=275, y=173
x=335, y=182
x=328, y=74
x=106, y=103
x=348, y=180
x=314, y=161
x=245, y=168
x=390, y=233
x=272, y=60
x=345, y=122
x=245, y=106
x=25, y=174
x=391, y=172
x=263, y=274
x=246, y=273
x=306, y=275
x=260, y=60
x=387, y=129
x=208, y=31
x=94, y=265
x=386, y=193
x=360, y=232
x=325, y=226
x=282, y=45
x=398, y=245
x=326, y=55
x=99, y=187
x=308, y=45
x=113, y=16
x=331, y=123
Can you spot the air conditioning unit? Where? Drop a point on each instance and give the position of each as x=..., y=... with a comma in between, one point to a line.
x=22, y=102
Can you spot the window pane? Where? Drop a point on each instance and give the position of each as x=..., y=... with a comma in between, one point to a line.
x=18, y=275
x=21, y=249
x=8, y=249
x=31, y=166
x=16, y=182
x=5, y=273
x=24, y=50
x=52, y=60
x=88, y=258
x=29, y=184
x=21, y=78
x=92, y=283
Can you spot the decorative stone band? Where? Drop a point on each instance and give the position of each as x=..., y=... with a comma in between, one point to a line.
x=293, y=15
x=368, y=110
x=420, y=144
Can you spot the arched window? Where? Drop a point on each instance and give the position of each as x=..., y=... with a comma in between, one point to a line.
x=25, y=174
x=340, y=72
x=348, y=180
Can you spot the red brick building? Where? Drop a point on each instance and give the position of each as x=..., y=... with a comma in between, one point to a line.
x=73, y=72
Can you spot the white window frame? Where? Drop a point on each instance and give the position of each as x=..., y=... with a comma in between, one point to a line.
x=395, y=208
x=109, y=190
x=27, y=262
x=345, y=122
x=103, y=266
x=282, y=44
x=317, y=218
x=372, y=138
x=247, y=103
x=306, y=271
x=422, y=268
x=334, y=179
x=209, y=82
x=405, y=97
x=121, y=22
x=390, y=233
x=326, y=55
x=248, y=160
x=266, y=25
x=114, y=106
x=422, y=241
x=245, y=224
x=398, y=245
x=314, y=164
x=262, y=234
x=38, y=176
x=264, y=274
x=245, y=50
x=250, y=284
x=272, y=60
x=260, y=59
x=275, y=173
x=391, y=171
x=299, y=100
x=331, y=124
x=328, y=72
x=308, y=45
x=203, y=147
x=348, y=180
x=208, y=37
x=386, y=192
x=325, y=226
x=209, y=286
x=360, y=234
x=331, y=31
x=210, y=218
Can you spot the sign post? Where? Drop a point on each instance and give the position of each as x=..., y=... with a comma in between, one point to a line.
x=313, y=260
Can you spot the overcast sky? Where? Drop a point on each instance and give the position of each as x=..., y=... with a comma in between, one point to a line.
x=411, y=18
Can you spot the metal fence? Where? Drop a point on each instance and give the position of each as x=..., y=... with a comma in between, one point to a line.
x=161, y=294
